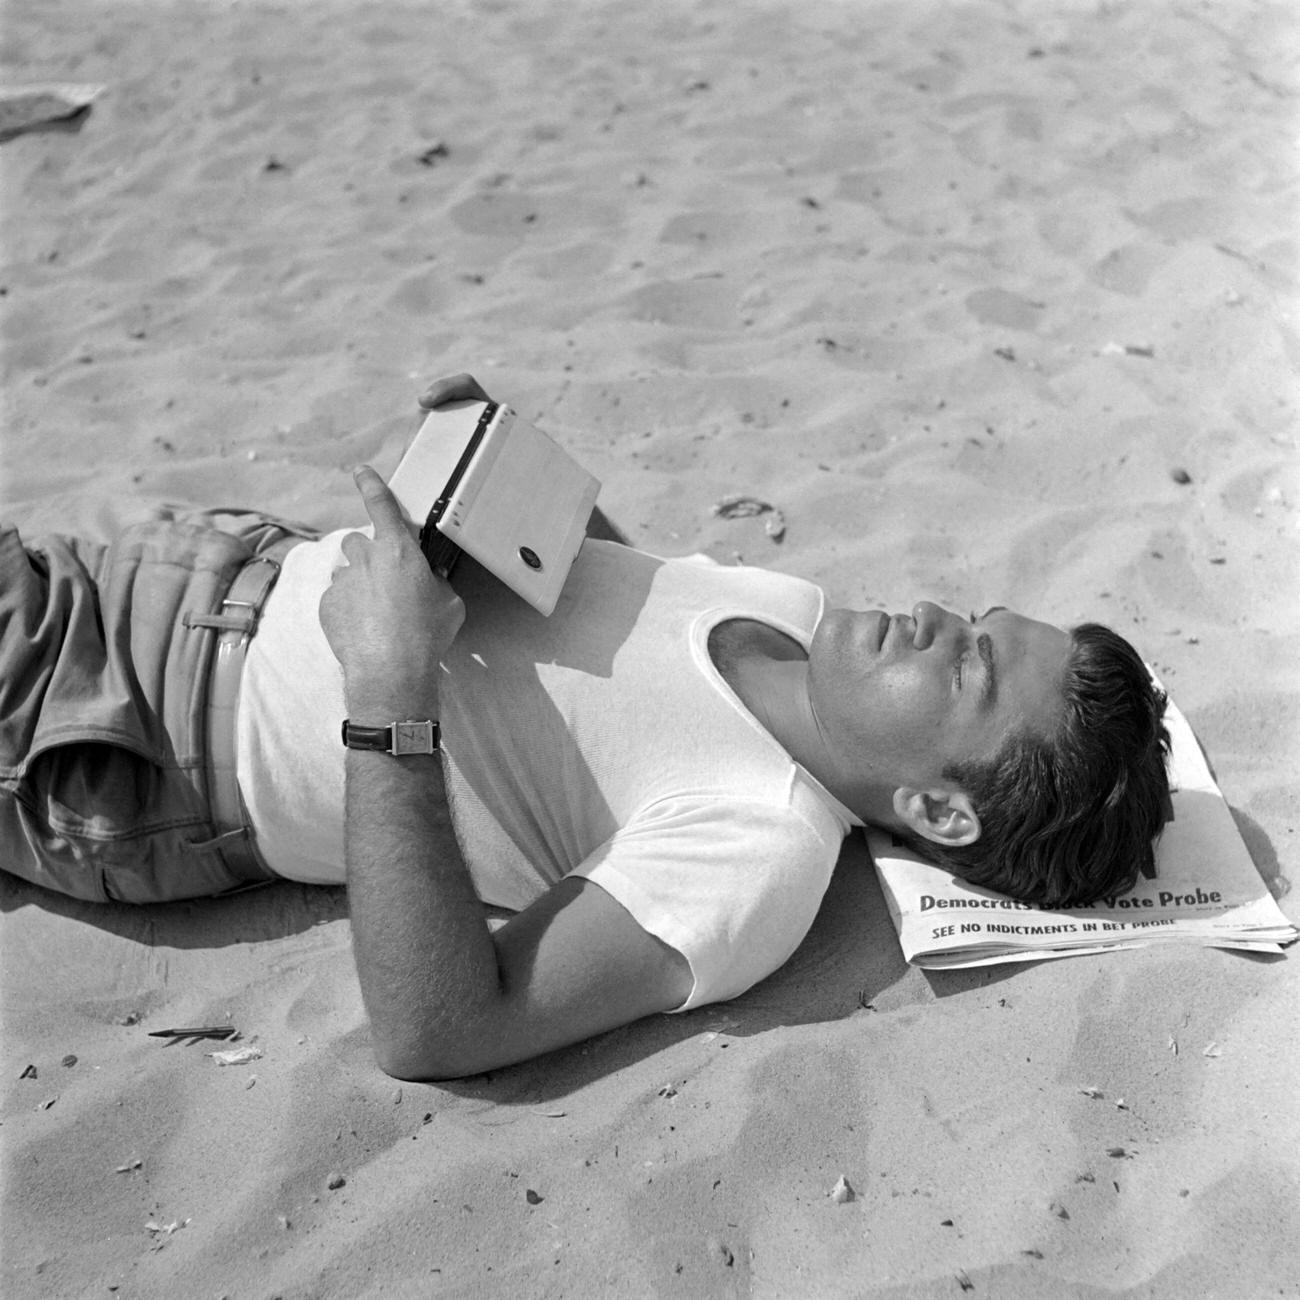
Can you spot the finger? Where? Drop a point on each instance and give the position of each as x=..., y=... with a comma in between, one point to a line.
x=455, y=388
x=381, y=505
x=350, y=548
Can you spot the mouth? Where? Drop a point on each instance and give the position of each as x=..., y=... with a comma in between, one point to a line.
x=882, y=630
x=903, y=624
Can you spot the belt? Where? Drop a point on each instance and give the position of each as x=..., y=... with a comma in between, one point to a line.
x=234, y=624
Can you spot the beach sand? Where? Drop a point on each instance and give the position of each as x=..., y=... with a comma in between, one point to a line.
x=956, y=288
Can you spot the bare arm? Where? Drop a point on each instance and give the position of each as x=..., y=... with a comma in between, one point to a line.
x=446, y=996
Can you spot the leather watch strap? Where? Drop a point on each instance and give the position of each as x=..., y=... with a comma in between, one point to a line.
x=413, y=736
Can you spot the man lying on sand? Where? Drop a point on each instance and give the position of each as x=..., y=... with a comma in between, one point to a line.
x=655, y=780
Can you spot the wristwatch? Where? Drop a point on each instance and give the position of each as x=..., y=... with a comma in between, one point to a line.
x=398, y=738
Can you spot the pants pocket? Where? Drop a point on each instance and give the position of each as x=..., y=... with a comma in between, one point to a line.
x=101, y=823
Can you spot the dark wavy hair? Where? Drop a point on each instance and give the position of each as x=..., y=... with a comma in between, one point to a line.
x=1074, y=816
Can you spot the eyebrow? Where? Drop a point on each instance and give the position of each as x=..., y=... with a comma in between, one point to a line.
x=989, y=691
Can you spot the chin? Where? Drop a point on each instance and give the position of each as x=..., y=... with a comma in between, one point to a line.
x=828, y=639
x=851, y=633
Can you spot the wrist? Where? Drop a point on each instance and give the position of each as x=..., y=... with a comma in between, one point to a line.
x=380, y=705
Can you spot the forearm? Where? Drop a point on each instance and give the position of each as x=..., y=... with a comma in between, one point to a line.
x=425, y=959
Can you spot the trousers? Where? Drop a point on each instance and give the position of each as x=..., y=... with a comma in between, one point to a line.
x=103, y=687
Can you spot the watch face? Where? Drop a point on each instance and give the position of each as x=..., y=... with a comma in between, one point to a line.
x=405, y=734
x=413, y=738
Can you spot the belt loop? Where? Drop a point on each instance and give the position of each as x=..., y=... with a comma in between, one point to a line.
x=244, y=620
x=222, y=841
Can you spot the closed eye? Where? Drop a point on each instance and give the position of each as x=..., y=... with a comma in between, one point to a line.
x=960, y=672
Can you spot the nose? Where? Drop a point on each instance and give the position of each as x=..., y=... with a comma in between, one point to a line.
x=930, y=620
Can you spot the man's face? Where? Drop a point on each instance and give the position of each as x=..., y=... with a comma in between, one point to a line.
x=901, y=698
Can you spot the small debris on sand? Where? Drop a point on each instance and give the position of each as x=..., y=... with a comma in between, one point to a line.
x=56, y=106
x=237, y=1055
x=739, y=506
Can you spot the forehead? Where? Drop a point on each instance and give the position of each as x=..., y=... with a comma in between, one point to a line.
x=1032, y=659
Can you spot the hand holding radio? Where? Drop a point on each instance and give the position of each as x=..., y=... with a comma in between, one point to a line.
x=387, y=617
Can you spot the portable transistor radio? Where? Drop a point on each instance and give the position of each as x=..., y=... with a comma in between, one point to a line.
x=479, y=479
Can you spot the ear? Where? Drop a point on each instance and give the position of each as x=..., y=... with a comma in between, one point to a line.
x=945, y=817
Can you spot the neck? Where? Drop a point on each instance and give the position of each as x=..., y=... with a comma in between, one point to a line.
x=769, y=673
